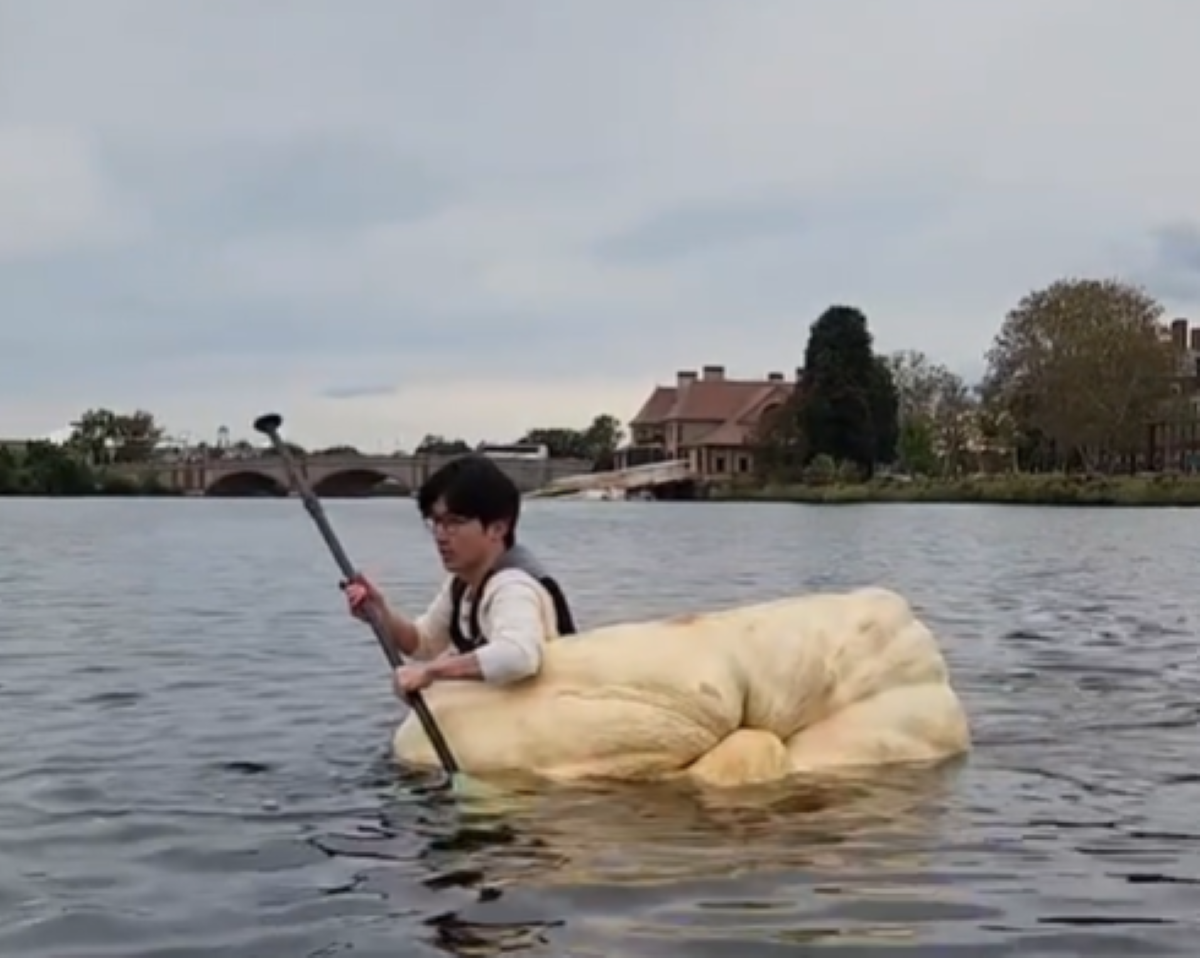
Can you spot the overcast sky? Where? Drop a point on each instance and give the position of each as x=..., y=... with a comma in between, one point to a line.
x=384, y=219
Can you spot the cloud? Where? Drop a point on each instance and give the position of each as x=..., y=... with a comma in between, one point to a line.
x=358, y=392
x=55, y=199
x=1171, y=260
x=285, y=184
x=385, y=221
x=685, y=230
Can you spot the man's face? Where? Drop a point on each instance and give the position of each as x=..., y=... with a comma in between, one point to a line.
x=463, y=544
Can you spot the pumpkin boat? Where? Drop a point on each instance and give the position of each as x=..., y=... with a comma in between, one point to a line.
x=740, y=696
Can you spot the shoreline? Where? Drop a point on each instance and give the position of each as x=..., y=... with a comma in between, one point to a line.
x=88, y=487
x=1036, y=489
x=1048, y=489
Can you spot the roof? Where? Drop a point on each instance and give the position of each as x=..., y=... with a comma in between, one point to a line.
x=656, y=407
x=713, y=400
x=735, y=430
x=729, y=433
x=731, y=406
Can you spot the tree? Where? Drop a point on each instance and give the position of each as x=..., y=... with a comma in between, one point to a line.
x=137, y=435
x=104, y=437
x=916, y=446
x=92, y=434
x=955, y=426
x=599, y=442
x=998, y=434
x=52, y=470
x=560, y=442
x=919, y=383
x=9, y=471
x=885, y=411
x=43, y=468
x=844, y=391
x=935, y=411
x=435, y=445
x=602, y=438
x=1082, y=364
x=778, y=441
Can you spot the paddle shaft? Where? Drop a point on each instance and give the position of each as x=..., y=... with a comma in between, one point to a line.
x=269, y=426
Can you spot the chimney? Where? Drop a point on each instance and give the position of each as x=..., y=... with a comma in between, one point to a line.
x=1179, y=334
x=778, y=377
x=685, y=377
x=714, y=373
x=1196, y=340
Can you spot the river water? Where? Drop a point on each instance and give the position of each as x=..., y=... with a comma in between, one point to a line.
x=193, y=760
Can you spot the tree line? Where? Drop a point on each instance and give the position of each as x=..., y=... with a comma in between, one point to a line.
x=598, y=443
x=89, y=460
x=82, y=465
x=43, y=468
x=1076, y=375
x=101, y=441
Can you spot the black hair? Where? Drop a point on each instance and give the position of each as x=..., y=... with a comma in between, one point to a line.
x=473, y=487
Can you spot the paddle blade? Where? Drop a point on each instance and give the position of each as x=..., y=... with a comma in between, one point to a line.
x=268, y=423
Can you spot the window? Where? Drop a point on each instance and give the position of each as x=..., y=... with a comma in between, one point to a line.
x=743, y=463
x=720, y=464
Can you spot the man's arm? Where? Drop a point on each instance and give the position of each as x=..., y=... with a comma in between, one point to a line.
x=516, y=629
x=428, y=635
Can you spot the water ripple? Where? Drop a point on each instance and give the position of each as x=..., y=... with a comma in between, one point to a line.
x=196, y=752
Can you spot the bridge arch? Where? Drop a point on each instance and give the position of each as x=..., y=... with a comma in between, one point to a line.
x=360, y=483
x=245, y=484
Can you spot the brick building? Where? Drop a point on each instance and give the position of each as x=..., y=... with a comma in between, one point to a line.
x=706, y=418
x=1173, y=442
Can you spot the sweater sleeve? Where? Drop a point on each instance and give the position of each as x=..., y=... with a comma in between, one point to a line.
x=433, y=625
x=513, y=617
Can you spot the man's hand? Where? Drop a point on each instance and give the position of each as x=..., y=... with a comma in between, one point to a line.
x=411, y=678
x=362, y=597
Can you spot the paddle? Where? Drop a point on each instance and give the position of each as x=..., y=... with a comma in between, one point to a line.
x=269, y=425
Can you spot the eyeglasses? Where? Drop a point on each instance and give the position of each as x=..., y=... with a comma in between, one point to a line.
x=449, y=524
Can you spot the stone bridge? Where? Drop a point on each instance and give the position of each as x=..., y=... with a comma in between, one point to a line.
x=337, y=476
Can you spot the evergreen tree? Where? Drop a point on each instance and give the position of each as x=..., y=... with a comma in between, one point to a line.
x=885, y=412
x=850, y=407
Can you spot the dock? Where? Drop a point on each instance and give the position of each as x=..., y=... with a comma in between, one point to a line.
x=673, y=479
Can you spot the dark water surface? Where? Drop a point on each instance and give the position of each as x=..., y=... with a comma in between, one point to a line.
x=193, y=758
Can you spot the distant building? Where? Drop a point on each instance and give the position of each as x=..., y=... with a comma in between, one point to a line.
x=1173, y=442
x=708, y=419
x=514, y=450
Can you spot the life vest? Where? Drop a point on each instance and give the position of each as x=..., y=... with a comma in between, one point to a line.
x=518, y=557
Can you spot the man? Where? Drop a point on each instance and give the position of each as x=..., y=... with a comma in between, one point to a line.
x=493, y=615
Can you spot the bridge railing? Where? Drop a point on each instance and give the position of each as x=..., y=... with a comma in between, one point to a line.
x=200, y=476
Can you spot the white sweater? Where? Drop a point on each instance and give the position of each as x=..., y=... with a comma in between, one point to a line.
x=516, y=614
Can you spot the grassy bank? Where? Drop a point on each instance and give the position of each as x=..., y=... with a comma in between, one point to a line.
x=1043, y=489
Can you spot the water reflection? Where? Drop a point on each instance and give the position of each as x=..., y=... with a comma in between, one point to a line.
x=750, y=862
